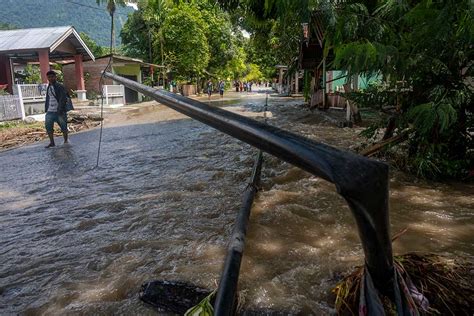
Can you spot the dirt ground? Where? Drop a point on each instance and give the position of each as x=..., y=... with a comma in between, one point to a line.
x=17, y=133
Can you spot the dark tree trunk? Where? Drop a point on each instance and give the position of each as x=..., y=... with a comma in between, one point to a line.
x=391, y=125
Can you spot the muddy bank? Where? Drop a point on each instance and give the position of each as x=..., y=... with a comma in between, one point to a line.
x=16, y=133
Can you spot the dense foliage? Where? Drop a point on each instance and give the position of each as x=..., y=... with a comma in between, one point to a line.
x=185, y=42
x=6, y=26
x=193, y=39
x=32, y=74
x=97, y=51
x=424, y=51
x=275, y=29
x=85, y=15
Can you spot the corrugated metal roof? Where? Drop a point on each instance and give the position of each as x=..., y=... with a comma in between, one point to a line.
x=41, y=38
x=31, y=38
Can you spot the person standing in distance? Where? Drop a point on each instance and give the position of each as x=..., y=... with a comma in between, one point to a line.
x=55, y=107
x=221, y=88
x=209, y=89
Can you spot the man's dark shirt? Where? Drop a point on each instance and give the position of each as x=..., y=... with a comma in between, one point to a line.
x=61, y=95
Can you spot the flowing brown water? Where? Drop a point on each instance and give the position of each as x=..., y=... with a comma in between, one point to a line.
x=78, y=240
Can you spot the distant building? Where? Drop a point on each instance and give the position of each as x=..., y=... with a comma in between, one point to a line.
x=326, y=81
x=130, y=68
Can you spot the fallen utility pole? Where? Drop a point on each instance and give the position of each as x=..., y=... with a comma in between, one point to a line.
x=226, y=293
x=362, y=182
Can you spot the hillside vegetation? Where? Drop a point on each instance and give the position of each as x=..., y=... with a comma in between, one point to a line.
x=85, y=15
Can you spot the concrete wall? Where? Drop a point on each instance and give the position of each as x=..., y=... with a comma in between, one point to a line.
x=34, y=107
x=92, y=73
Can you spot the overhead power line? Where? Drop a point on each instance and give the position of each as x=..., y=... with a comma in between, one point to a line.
x=92, y=7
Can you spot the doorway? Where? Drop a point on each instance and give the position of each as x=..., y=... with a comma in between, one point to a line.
x=131, y=96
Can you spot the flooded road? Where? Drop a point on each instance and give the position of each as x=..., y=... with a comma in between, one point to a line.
x=81, y=240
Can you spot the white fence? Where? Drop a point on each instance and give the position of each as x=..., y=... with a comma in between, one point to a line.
x=29, y=99
x=11, y=108
x=31, y=92
x=114, y=95
x=32, y=97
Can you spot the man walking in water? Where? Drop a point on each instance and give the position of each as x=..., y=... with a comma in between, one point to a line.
x=55, y=107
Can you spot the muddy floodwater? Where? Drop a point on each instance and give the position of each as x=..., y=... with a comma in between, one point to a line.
x=75, y=239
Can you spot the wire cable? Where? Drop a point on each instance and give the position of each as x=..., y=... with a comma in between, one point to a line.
x=101, y=83
x=91, y=7
x=265, y=108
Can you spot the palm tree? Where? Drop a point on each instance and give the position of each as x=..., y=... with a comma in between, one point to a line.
x=154, y=15
x=111, y=7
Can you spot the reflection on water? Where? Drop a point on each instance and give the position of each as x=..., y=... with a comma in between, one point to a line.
x=80, y=240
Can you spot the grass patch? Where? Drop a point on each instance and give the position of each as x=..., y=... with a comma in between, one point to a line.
x=19, y=124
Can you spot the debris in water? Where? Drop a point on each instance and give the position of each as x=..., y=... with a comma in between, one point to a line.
x=173, y=296
x=436, y=285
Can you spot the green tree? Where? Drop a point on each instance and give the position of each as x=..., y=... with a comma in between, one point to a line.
x=111, y=8
x=185, y=43
x=219, y=36
x=275, y=27
x=96, y=50
x=253, y=73
x=154, y=15
x=7, y=26
x=424, y=52
x=260, y=52
x=32, y=74
x=142, y=33
x=136, y=37
x=236, y=67
x=145, y=36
